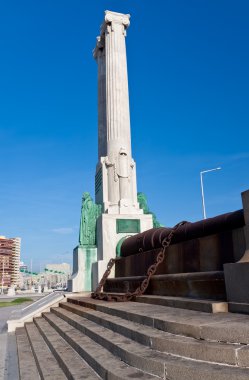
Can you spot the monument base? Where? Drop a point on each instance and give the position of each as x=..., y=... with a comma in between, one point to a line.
x=111, y=229
x=98, y=269
x=81, y=279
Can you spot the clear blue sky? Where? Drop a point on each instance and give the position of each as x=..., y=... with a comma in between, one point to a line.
x=188, y=76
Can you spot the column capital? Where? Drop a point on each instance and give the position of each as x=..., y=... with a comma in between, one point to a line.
x=112, y=19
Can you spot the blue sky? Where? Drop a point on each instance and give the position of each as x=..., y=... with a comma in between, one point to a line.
x=188, y=78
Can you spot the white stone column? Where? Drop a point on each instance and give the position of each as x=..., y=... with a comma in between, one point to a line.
x=115, y=180
x=117, y=95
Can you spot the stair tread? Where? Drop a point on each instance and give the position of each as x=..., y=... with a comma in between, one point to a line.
x=224, y=327
x=27, y=365
x=47, y=363
x=75, y=365
x=106, y=362
x=143, y=357
x=204, y=305
x=160, y=340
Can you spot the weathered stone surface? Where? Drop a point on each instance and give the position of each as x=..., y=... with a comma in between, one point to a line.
x=73, y=365
x=47, y=364
x=207, y=306
x=27, y=365
x=142, y=357
x=205, y=285
x=243, y=356
x=237, y=282
x=236, y=307
x=158, y=340
x=136, y=340
x=104, y=363
x=177, y=321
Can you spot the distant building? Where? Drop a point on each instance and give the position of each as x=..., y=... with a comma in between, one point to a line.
x=9, y=261
x=64, y=267
x=57, y=274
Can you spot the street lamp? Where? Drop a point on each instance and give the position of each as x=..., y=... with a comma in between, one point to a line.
x=2, y=275
x=202, y=190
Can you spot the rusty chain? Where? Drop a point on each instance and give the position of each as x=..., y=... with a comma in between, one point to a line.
x=145, y=283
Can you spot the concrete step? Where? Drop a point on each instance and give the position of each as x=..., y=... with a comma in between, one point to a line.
x=27, y=365
x=104, y=363
x=206, y=306
x=11, y=370
x=47, y=365
x=135, y=354
x=205, y=285
x=159, y=340
x=72, y=364
x=220, y=327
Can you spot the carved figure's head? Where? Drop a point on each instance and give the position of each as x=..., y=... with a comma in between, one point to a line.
x=86, y=196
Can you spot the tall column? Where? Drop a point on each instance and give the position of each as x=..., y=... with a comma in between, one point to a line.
x=117, y=96
x=115, y=181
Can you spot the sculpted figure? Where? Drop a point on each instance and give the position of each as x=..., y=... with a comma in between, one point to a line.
x=89, y=214
x=119, y=176
x=143, y=204
x=123, y=173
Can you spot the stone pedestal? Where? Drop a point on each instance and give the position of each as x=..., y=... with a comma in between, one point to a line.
x=110, y=230
x=237, y=274
x=81, y=279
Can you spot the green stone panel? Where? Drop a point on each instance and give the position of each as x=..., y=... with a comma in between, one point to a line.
x=128, y=225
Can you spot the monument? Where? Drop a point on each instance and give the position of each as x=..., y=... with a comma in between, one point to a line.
x=115, y=179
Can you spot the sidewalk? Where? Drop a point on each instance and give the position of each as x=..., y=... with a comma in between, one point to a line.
x=8, y=353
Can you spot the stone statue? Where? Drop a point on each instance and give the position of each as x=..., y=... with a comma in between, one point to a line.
x=124, y=173
x=119, y=174
x=89, y=214
x=142, y=200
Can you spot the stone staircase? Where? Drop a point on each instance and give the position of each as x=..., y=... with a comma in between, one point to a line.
x=90, y=339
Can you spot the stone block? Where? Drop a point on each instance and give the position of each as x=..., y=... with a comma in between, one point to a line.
x=237, y=282
x=236, y=307
x=83, y=258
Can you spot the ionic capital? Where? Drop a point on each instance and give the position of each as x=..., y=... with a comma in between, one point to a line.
x=113, y=20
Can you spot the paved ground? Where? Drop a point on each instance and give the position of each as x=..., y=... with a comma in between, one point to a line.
x=8, y=354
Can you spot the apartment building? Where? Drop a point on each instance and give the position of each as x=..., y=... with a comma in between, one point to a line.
x=10, y=249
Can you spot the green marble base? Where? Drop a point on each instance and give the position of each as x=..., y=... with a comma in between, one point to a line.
x=83, y=257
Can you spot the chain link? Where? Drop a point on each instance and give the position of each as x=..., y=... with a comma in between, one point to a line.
x=145, y=283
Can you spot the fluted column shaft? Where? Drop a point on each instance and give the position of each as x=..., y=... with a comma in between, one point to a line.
x=117, y=96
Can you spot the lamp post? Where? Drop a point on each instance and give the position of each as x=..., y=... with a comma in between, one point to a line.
x=2, y=277
x=202, y=189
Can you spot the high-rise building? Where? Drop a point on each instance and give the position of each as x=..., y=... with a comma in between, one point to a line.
x=9, y=261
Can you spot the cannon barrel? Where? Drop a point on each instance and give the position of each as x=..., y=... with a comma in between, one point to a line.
x=153, y=238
